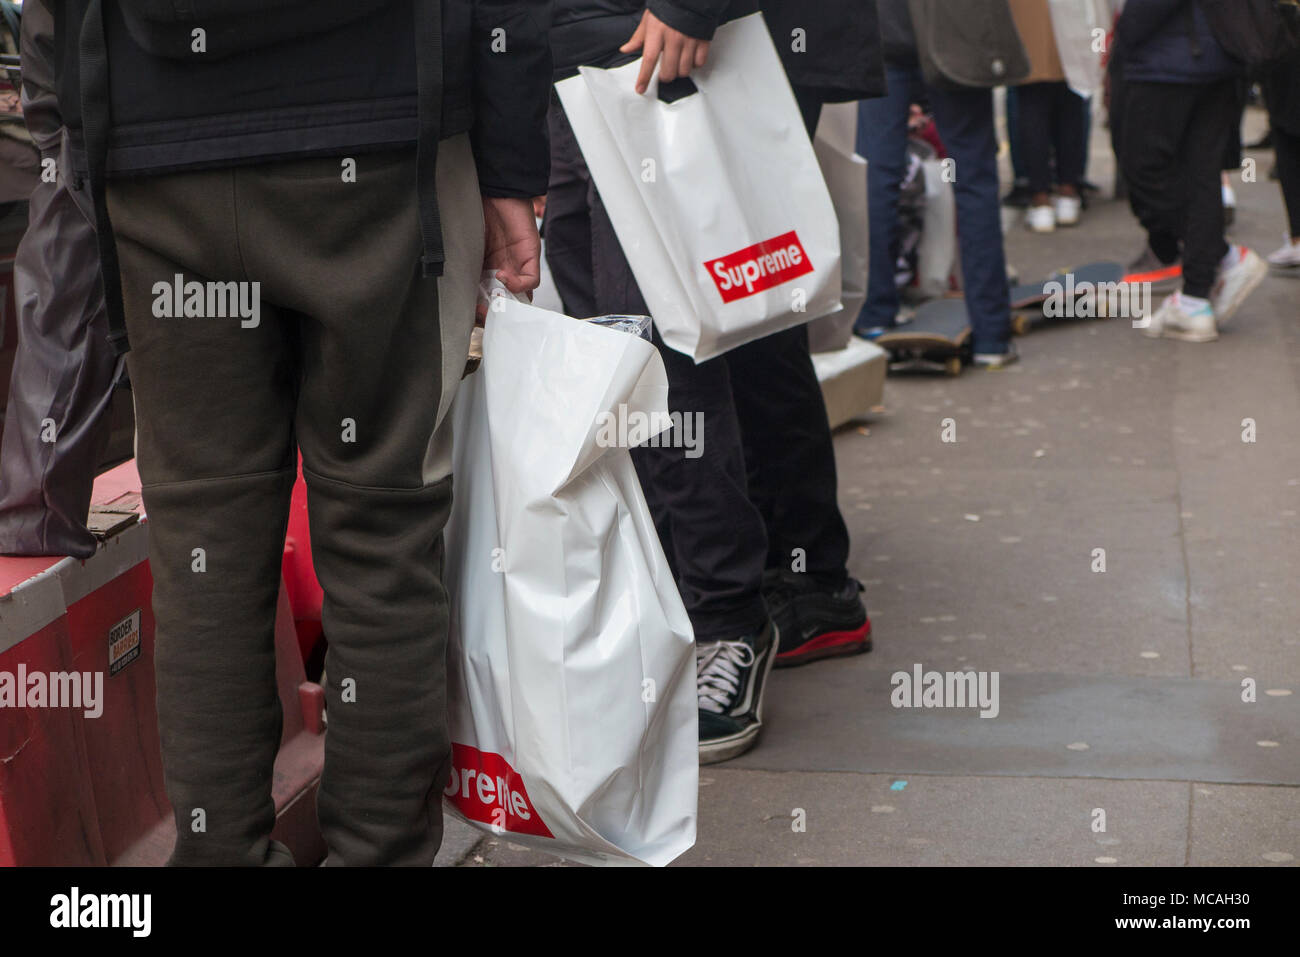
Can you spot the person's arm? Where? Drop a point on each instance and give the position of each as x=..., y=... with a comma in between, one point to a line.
x=674, y=34
x=511, y=148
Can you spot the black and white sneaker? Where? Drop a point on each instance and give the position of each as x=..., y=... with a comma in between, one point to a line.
x=730, y=678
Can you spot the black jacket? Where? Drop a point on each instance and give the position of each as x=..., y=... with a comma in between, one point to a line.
x=897, y=36
x=152, y=86
x=589, y=32
x=1170, y=41
x=838, y=54
x=329, y=76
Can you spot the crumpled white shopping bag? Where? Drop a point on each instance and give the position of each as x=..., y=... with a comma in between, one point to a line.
x=716, y=198
x=571, y=691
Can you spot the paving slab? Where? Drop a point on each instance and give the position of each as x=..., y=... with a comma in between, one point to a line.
x=1256, y=826
x=1049, y=725
x=752, y=818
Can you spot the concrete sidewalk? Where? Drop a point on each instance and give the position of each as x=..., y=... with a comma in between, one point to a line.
x=1121, y=690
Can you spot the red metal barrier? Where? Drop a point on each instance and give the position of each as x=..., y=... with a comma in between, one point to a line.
x=78, y=789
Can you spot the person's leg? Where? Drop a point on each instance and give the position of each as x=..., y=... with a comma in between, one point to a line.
x=1288, y=171
x=1019, y=171
x=1070, y=138
x=1154, y=121
x=1205, y=141
x=383, y=352
x=791, y=456
x=214, y=441
x=1036, y=122
x=965, y=120
x=787, y=441
x=566, y=224
x=711, y=531
x=882, y=140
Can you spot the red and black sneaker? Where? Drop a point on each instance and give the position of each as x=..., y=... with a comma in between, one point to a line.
x=814, y=622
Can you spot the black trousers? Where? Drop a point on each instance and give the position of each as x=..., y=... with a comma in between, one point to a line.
x=1051, y=123
x=1174, y=141
x=1288, y=173
x=765, y=484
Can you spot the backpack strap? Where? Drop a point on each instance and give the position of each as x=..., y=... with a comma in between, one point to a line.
x=429, y=85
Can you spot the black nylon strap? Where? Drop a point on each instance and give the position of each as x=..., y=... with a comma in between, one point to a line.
x=428, y=69
x=96, y=117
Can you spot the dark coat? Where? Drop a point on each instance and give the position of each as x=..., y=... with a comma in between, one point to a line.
x=331, y=75
x=841, y=56
x=1170, y=41
x=589, y=32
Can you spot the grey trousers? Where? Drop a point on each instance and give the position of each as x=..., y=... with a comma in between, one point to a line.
x=353, y=360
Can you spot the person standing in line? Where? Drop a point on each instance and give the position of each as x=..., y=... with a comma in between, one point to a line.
x=1181, y=92
x=941, y=66
x=398, y=146
x=1051, y=123
x=1282, y=93
x=765, y=484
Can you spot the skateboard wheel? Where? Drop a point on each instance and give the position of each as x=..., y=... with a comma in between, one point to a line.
x=1021, y=324
x=952, y=366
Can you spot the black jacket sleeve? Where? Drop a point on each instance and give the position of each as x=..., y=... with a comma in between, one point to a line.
x=511, y=70
x=695, y=18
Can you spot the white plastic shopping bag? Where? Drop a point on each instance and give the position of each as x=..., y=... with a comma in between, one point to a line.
x=845, y=173
x=571, y=678
x=936, y=257
x=716, y=198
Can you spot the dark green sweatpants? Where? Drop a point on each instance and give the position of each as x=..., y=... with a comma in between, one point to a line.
x=352, y=359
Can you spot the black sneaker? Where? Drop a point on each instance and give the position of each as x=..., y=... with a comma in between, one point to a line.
x=730, y=678
x=814, y=623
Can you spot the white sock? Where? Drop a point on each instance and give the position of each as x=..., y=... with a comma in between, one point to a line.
x=1193, y=303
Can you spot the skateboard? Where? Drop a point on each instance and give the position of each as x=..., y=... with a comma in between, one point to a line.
x=1066, y=294
x=938, y=338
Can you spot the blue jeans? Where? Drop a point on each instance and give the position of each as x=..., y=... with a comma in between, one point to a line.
x=965, y=121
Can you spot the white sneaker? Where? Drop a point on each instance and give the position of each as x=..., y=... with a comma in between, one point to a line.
x=1288, y=257
x=1239, y=275
x=1179, y=318
x=1041, y=219
x=1067, y=210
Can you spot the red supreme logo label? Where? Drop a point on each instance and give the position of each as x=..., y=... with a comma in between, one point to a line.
x=484, y=787
x=759, y=267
